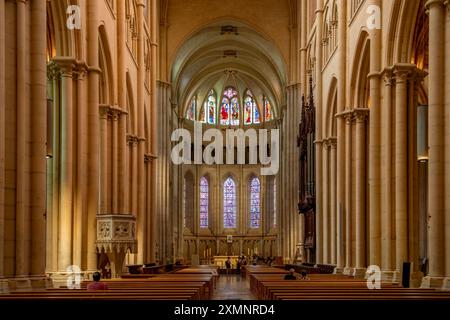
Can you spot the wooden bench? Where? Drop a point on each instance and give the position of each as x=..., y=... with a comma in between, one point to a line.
x=268, y=285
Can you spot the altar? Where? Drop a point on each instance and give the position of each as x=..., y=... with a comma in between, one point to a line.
x=220, y=261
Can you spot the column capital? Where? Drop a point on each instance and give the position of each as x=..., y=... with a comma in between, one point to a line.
x=407, y=71
x=80, y=71
x=64, y=65
x=140, y=3
x=347, y=115
x=132, y=139
x=53, y=71
x=104, y=111
x=361, y=114
x=149, y=157
x=387, y=76
x=333, y=142
x=431, y=3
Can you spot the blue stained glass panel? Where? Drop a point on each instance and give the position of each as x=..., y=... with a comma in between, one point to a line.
x=204, y=202
x=229, y=203
x=255, y=203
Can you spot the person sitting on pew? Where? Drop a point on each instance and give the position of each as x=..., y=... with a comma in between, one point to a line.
x=304, y=275
x=290, y=275
x=96, y=285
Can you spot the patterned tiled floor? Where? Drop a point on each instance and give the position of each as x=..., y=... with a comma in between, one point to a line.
x=232, y=287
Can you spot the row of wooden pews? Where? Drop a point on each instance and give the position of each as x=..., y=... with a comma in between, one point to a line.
x=187, y=285
x=268, y=284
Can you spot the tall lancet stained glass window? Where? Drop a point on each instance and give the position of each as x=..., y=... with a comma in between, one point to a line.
x=210, y=108
x=229, y=109
x=229, y=203
x=190, y=113
x=267, y=109
x=251, y=112
x=255, y=202
x=204, y=202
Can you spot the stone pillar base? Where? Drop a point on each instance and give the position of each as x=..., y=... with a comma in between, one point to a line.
x=64, y=279
x=446, y=284
x=338, y=270
x=387, y=276
x=432, y=282
x=40, y=283
x=396, y=276
x=415, y=280
x=359, y=273
x=4, y=286
x=348, y=271
x=20, y=284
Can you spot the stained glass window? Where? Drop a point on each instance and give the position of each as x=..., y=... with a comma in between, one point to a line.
x=202, y=114
x=251, y=112
x=229, y=109
x=267, y=109
x=248, y=102
x=190, y=114
x=211, y=107
x=229, y=203
x=204, y=202
x=255, y=203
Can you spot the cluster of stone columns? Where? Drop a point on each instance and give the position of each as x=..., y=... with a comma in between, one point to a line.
x=72, y=189
x=54, y=187
x=164, y=241
x=22, y=144
x=374, y=207
x=329, y=217
x=439, y=145
x=289, y=223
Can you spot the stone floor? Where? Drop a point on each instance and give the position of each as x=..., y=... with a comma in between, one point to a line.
x=233, y=287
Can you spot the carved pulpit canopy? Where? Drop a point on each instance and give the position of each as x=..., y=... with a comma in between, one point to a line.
x=116, y=233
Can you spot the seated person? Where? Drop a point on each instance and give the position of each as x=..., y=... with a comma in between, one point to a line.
x=304, y=275
x=96, y=285
x=290, y=275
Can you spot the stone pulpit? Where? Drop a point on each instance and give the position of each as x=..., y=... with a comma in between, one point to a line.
x=116, y=234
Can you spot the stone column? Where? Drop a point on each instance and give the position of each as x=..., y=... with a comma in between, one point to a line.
x=22, y=166
x=66, y=171
x=447, y=148
x=401, y=168
x=375, y=145
x=38, y=137
x=54, y=168
x=333, y=206
x=141, y=229
x=80, y=180
x=360, y=192
x=340, y=177
x=436, y=165
x=3, y=283
x=326, y=204
x=93, y=133
x=116, y=118
x=153, y=126
x=122, y=181
x=132, y=147
x=386, y=178
x=348, y=193
x=104, y=116
x=319, y=203
x=319, y=134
